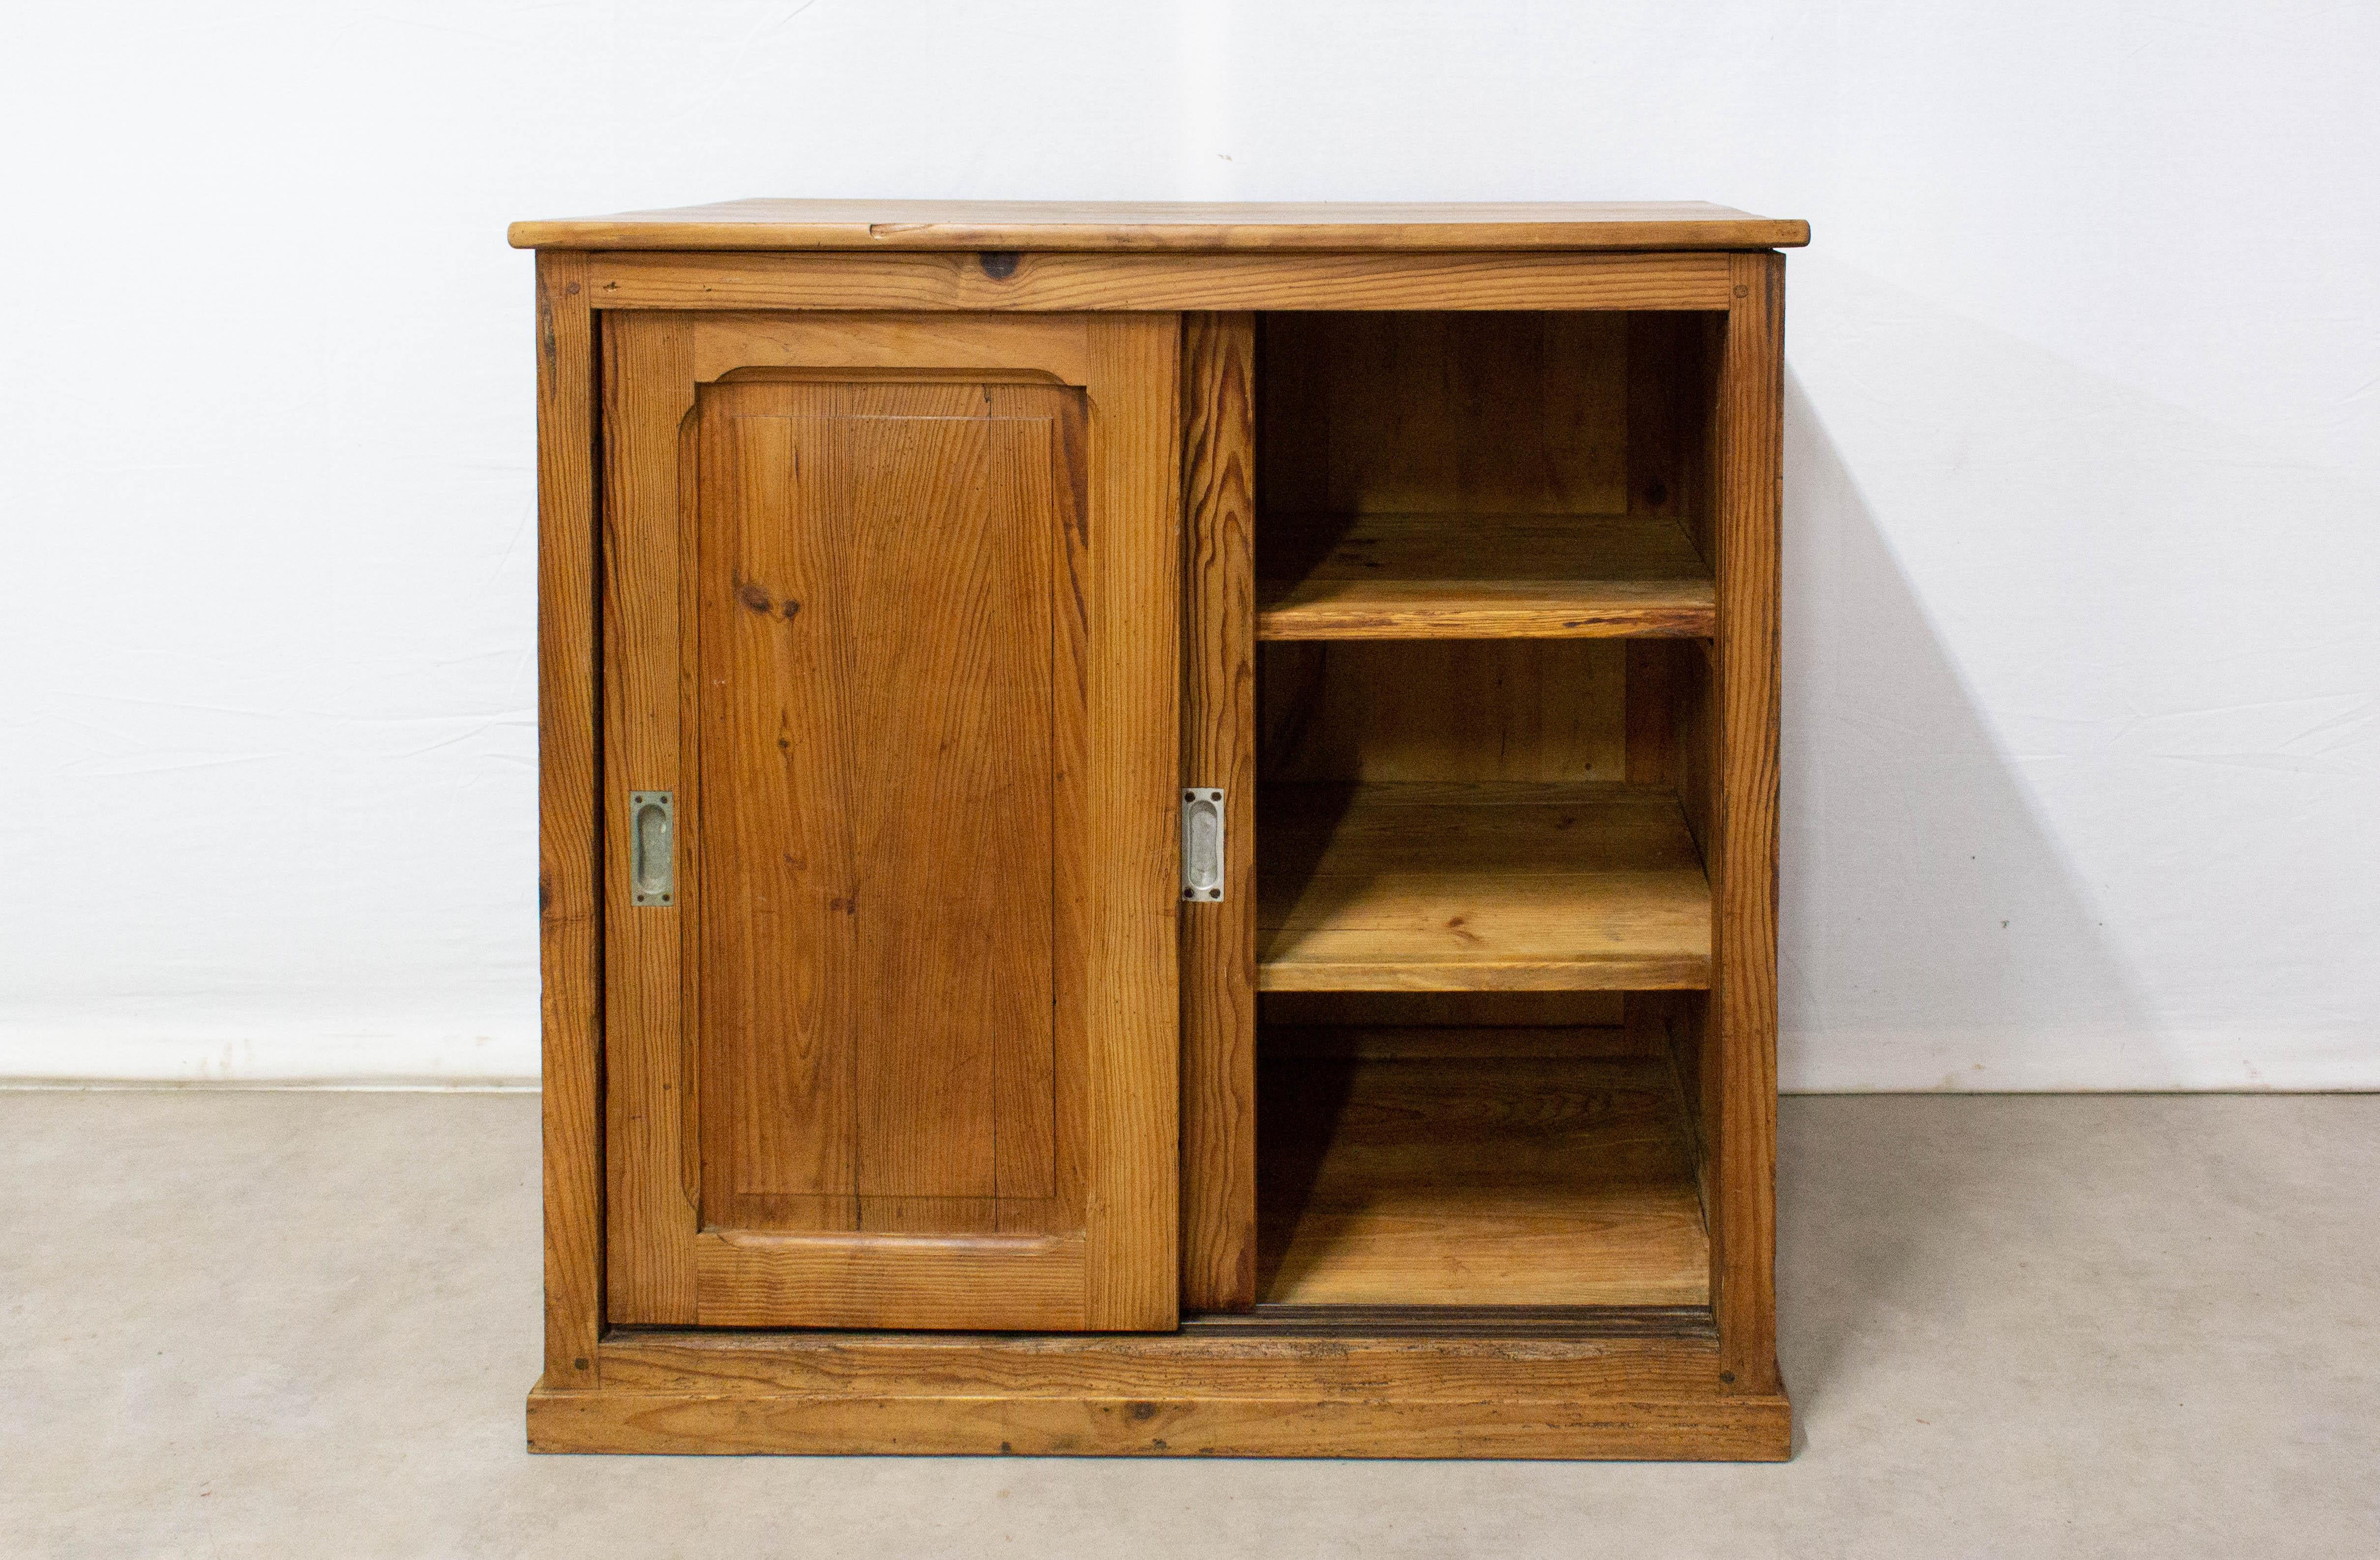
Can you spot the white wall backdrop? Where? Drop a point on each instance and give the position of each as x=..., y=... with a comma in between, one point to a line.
x=2083, y=690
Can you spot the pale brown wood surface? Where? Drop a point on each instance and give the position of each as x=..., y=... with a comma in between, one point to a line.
x=1477, y=1181
x=569, y=879
x=1437, y=463
x=1740, y=1082
x=650, y=1207
x=1479, y=576
x=1669, y=1021
x=1008, y=283
x=1247, y=1357
x=1432, y=412
x=1740, y=1428
x=1038, y=348
x=1458, y=1010
x=1429, y=1042
x=1219, y=751
x=1667, y=409
x=1490, y=474
x=878, y=1279
x=1058, y=224
x=1442, y=710
x=1689, y=681
x=896, y=613
x=1193, y=1393
x=1127, y=878
x=1651, y=718
x=1509, y=886
x=877, y=569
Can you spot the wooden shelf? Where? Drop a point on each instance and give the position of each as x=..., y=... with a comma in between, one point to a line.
x=1500, y=1182
x=1478, y=888
x=1480, y=577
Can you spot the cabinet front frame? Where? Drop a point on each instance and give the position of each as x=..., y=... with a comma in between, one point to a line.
x=1746, y=286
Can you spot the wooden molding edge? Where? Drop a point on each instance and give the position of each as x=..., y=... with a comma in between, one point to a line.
x=1711, y=1428
x=1200, y=1392
x=1118, y=231
x=1230, y=282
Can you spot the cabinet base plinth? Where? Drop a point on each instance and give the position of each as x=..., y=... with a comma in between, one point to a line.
x=1170, y=1394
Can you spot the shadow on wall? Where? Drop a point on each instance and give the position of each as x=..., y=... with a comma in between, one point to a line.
x=1931, y=933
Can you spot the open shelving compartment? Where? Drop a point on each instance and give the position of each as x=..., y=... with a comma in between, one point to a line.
x=1485, y=750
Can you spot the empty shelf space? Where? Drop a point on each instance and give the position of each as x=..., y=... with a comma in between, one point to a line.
x=1480, y=577
x=1498, y=886
x=1504, y=1182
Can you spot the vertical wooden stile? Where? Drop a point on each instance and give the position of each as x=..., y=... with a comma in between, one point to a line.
x=1135, y=859
x=1741, y=1065
x=569, y=925
x=648, y=392
x=1218, y=1007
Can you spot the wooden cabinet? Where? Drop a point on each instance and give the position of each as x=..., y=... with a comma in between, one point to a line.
x=907, y=576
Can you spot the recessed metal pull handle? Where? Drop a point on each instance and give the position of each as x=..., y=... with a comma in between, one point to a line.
x=652, y=847
x=1202, y=845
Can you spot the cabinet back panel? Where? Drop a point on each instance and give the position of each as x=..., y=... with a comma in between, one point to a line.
x=1470, y=709
x=1441, y=1009
x=1497, y=413
x=874, y=577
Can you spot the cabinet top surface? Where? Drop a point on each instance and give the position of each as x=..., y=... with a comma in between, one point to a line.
x=1121, y=226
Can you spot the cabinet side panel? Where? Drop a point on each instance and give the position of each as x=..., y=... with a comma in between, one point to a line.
x=569, y=954
x=1743, y=1044
x=1669, y=414
x=1219, y=1011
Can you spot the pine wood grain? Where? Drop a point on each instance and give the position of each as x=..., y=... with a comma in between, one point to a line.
x=907, y=586
x=1001, y=282
x=1219, y=741
x=1478, y=888
x=878, y=1279
x=1670, y=746
x=1434, y=412
x=1428, y=1042
x=877, y=579
x=1739, y=1099
x=1122, y=225
x=1442, y=710
x=651, y=1212
x=1473, y=1181
x=569, y=879
x=1464, y=407
x=1740, y=1428
x=1480, y=577
x=1667, y=400
x=1247, y=1391
x=1248, y=1357
x=1049, y=349
x=1127, y=878
x=1461, y=1010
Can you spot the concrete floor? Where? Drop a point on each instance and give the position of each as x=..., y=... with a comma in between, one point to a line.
x=302, y=1324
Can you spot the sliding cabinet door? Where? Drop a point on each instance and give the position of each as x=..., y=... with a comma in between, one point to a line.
x=891, y=745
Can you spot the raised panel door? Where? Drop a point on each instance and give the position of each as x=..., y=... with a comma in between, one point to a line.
x=890, y=616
